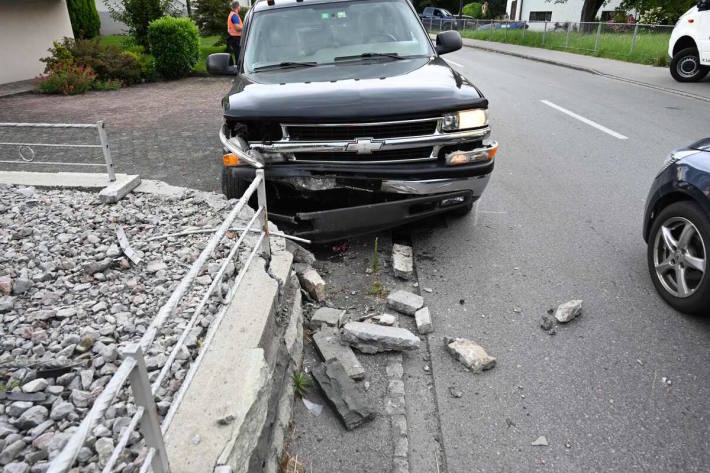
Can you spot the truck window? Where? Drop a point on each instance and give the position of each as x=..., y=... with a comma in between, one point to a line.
x=320, y=33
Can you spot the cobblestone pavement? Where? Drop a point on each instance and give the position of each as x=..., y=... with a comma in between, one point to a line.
x=166, y=130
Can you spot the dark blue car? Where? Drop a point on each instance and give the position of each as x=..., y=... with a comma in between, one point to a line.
x=677, y=229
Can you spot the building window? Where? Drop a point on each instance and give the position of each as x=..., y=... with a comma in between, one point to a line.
x=540, y=16
x=608, y=15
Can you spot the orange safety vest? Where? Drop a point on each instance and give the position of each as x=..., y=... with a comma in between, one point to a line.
x=231, y=27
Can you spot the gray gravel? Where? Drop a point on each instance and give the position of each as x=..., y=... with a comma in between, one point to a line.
x=69, y=299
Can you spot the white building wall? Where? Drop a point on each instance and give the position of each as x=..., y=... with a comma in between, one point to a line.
x=27, y=30
x=561, y=12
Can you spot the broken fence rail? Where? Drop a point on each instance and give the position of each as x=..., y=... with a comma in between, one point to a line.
x=27, y=147
x=133, y=367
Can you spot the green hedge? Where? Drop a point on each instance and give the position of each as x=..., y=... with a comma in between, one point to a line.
x=85, y=21
x=175, y=44
x=474, y=10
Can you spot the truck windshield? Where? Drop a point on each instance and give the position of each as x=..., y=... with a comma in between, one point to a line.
x=329, y=33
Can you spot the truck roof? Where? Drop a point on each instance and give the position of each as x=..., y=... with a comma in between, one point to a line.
x=262, y=5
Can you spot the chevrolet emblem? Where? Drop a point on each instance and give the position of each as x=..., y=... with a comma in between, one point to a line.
x=364, y=146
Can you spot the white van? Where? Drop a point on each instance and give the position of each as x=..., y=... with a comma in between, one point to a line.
x=689, y=47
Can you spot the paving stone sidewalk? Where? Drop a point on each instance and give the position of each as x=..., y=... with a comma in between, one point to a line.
x=165, y=130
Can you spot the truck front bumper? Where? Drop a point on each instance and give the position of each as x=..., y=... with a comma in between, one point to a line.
x=355, y=201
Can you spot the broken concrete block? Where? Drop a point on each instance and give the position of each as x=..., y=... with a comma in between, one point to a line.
x=405, y=302
x=327, y=342
x=541, y=441
x=386, y=319
x=312, y=282
x=326, y=316
x=402, y=261
x=372, y=338
x=423, y=319
x=340, y=390
x=568, y=311
x=473, y=356
x=300, y=254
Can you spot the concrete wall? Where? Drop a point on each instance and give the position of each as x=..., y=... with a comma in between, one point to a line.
x=568, y=11
x=27, y=29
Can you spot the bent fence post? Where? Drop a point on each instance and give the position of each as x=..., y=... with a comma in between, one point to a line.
x=261, y=198
x=106, y=150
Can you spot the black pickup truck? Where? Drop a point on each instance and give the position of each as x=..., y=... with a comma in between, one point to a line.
x=358, y=122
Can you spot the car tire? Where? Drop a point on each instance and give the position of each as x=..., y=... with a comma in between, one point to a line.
x=673, y=219
x=686, y=67
x=232, y=186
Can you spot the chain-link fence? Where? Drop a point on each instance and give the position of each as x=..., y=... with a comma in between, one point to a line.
x=635, y=42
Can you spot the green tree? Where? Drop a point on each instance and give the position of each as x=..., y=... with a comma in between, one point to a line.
x=85, y=21
x=473, y=10
x=211, y=15
x=137, y=14
x=672, y=9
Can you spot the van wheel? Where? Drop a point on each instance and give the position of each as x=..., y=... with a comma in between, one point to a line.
x=686, y=67
x=232, y=186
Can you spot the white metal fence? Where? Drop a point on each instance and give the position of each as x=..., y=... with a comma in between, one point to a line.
x=133, y=368
x=26, y=152
x=648, y=42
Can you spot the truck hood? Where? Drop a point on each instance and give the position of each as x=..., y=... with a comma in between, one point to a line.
x=359, y=91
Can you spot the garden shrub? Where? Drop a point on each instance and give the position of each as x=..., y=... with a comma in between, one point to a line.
x=109, y=62
x=106, y=85
x=146, y=62
x=85, y=21
x=175, y=44
x=67, y=79
x=474, y=10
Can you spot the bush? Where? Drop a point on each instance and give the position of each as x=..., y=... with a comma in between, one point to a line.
x=137, y=15
x=175, y=44
x=654, y=16
x=85, y=21
x=106, y=85
x=474, y=10
x=211, y=16
x=145, y=61
x=67, y=79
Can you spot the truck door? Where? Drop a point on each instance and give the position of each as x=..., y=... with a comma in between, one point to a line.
x=702, y=19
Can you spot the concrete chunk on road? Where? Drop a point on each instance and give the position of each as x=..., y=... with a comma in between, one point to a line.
x=372, y=338
x=405, y=302
x=326, y=316
x=327, y=342
x=423, y=319
x=568, y=311
x=311, y=281
x=350, y=404
x=472, y=355
x=402, y=261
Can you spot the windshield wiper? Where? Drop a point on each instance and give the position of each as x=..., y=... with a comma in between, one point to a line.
x=285, y=65
x=371, y=55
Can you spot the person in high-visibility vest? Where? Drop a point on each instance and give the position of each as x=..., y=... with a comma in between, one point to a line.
x=234, y=28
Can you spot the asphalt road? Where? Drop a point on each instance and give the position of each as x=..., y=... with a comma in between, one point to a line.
x=560, y=220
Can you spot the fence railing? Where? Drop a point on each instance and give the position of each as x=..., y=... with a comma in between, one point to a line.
x=648, y=42
x=27, y=153
x=133, y=368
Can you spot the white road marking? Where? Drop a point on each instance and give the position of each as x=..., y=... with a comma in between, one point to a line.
x=454, y=63
x=585, y=120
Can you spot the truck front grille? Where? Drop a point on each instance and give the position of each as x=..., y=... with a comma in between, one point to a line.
x=401, y=155
x=339, y=132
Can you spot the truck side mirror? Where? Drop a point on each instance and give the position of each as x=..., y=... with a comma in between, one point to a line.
x=448, y=41
x=218, y=64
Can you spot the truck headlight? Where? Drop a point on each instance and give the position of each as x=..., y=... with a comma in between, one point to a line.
x=464, y=120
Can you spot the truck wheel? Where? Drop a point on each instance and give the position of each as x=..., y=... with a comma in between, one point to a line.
x=677, y=256
x=232, y=186
x=686, y=67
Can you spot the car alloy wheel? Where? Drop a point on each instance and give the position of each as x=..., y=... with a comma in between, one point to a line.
x=679, y=257
x=688, y=67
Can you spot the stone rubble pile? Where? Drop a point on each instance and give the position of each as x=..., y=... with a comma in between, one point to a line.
x=70, y=301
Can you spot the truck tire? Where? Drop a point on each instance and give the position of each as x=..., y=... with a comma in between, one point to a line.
x=686, y=67
x=232, y=186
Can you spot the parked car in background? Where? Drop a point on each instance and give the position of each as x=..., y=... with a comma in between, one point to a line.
x=689, y=46
x=439, y=17
x=677, y=229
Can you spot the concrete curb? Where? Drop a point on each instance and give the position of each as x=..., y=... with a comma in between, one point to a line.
x=589, y=70
x=111, y=192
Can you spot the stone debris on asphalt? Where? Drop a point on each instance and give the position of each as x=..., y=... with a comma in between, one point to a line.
x=541, y=441
x=326, y=316
x=405, y=302
x=327, y=343
x=349, y=403
x=422, y=318
x=60, y=256
x=402, y=261
x=472, y=355
x=568, y=311
x=389, y=320
x=311, y=281
x=372, y=338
